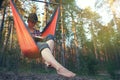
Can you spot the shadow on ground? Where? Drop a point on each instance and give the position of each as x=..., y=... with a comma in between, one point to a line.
x=31, y=76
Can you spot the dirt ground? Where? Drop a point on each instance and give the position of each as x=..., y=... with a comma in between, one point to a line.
x=33, y=76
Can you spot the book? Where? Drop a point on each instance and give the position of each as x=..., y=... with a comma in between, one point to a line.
x=38, y=38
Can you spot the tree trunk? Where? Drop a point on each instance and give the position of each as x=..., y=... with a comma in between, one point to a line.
x=11, y=35
x=2, y=23
x=94, y=41
x=76, y=54
x=63, y=38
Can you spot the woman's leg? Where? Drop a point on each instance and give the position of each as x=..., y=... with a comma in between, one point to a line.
x=47, y=56
x=46, y=52
x=50, y=42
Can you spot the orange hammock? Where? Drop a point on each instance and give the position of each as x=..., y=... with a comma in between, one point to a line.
x=26, y=42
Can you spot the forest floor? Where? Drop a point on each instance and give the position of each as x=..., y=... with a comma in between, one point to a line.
x=34, y=76
x=43, y=76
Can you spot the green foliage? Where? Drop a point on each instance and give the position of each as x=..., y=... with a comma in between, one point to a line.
x=12, y=61
x=89, y=64
x=9, y=60
x=113, y=69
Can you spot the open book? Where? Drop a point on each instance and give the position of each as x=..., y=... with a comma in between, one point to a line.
x=38, y=38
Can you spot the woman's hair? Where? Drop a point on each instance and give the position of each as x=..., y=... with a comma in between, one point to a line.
x=32, y=17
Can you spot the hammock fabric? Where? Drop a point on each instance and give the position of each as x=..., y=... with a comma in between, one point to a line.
x=27, y=44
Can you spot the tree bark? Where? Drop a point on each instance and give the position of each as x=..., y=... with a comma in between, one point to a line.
x=2, y=23
x=63, y=37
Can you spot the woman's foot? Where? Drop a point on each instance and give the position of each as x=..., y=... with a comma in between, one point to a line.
x=64, y=72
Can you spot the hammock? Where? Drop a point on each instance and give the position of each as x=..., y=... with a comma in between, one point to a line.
x=27, y=44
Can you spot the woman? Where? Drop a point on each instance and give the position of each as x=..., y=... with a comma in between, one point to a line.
x=47, y=47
